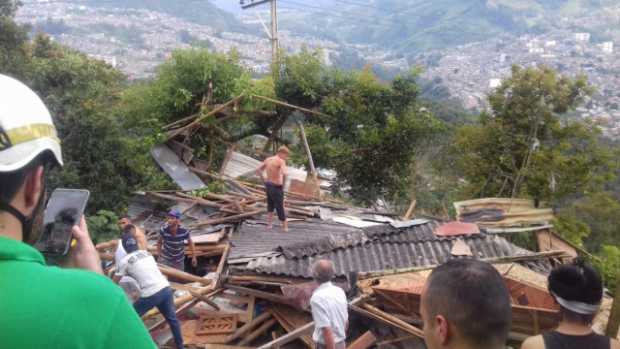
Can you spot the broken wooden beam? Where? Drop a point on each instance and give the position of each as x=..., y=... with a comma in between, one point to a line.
x=227, y=219
x=204, y=299
x=185, y=198
x=257, y=332
x=181, y=275
x=259, y=294
x=364, y=341
x=381, y=316
x=222, y=264
x=284, y=104
x=241, y=331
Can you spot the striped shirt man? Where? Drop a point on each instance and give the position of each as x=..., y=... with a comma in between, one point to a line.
x=171, y=243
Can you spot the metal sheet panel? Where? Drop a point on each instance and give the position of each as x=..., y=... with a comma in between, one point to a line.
x=175, y=168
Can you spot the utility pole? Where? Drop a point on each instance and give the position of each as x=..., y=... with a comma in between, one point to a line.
x=273, y=36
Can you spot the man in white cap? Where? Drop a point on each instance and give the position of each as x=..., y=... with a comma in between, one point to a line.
x=42, y=306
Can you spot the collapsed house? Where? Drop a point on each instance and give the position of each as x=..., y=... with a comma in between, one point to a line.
x=253, y=284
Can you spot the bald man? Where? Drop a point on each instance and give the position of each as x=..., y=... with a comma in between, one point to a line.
x=329, y=308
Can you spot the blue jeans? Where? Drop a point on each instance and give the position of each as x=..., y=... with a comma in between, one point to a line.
x=164, y=301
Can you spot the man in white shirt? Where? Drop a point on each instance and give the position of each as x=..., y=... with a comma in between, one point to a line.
x=154, y=287
x=329, y=308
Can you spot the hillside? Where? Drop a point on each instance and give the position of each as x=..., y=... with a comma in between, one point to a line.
x=412, y=26
x=201, y=12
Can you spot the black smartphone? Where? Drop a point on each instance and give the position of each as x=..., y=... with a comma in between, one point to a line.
x=64, y=210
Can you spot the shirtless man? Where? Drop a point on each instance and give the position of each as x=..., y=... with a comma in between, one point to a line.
x=275, y=167
x=116, y=245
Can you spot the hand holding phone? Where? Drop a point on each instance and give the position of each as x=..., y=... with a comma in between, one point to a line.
x=84, y=255
x=65, y=239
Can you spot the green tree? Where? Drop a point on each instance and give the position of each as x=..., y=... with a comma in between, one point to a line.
x=370, y=132
x=13, y=41
x=102, y=226
x=526, y=146
x=82, y=94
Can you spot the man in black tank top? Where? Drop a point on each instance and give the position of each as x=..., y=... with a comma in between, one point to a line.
x=555, y=339
x=578, y=290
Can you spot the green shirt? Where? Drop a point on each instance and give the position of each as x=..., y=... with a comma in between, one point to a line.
x=48, y=307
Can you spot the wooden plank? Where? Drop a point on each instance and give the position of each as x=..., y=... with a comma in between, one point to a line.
x=212, y=238
x=290, y=319
x=395, y=340
x=227, y=219
x=364, y=341
x=220, y=267
x=300, y=331
x=257, y=332
x=289, y=337
x=248, y=327
x=250, y=308
x=388, y=319
x=224, y=346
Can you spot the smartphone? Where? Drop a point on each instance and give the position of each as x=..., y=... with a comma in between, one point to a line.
x=64, y=210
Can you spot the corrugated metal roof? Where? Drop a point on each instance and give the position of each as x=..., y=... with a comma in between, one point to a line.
x=381, y=255
x=304, y=238
x=361, y=250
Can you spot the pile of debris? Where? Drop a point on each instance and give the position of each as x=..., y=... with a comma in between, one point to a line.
x=252, y=285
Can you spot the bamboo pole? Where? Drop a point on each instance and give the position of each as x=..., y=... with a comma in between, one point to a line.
x=197, y=121
x=226, y=219
x=275, y=101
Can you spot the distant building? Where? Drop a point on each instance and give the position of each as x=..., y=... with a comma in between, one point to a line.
x=608, y=47
x=551, y=43
x=495, y=83
x=537, y=50
x=582, y=37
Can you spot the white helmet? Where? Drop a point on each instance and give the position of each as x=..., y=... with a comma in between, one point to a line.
x=26, y=127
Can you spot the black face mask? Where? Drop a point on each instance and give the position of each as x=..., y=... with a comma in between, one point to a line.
x=31, y=226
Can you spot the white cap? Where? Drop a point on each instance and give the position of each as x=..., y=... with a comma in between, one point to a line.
x=26, y=127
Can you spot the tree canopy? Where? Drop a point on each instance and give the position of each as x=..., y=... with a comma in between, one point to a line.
x=527, y=146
